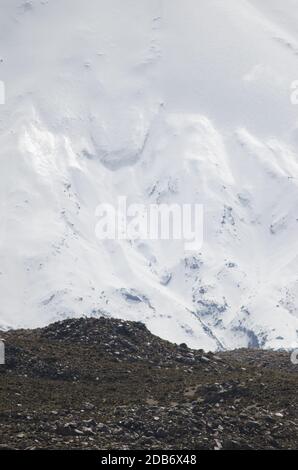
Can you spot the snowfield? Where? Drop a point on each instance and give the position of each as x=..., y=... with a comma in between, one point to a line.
x=161, y=101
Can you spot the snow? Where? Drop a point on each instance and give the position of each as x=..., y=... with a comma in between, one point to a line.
x=161, y=101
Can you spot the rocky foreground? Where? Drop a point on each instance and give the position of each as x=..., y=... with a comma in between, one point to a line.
x=110, y=384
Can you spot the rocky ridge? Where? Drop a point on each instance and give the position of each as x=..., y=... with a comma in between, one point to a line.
x=110, y=384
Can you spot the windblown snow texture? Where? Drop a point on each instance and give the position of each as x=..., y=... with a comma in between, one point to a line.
x=161, y=101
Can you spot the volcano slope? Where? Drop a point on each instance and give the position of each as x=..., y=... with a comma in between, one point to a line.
x=159, y=102
x=110, y=384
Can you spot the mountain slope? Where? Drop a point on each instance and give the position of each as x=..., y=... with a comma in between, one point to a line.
x=162, y=102
x=110, y=384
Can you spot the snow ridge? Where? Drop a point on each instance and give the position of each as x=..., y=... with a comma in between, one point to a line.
x=162, y=101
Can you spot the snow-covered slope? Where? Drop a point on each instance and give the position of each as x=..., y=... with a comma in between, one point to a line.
x=160, y=101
